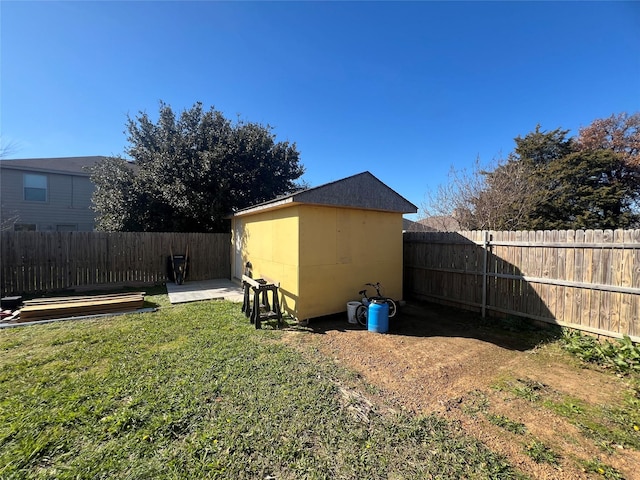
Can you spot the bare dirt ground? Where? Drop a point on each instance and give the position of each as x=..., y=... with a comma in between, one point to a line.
x=440, y=360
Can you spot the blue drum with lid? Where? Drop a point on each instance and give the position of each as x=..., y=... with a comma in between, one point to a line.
x=378, y=320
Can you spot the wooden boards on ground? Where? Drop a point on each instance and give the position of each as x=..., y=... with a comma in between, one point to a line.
x=63, y=307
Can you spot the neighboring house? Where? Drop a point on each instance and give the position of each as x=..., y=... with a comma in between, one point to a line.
x=437, y=223
x=324, y=243
x=411, y=226
x=47, y=194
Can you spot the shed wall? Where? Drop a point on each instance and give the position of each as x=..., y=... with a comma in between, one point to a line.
x=341, y=249
x=269, y=240
x=322, y=256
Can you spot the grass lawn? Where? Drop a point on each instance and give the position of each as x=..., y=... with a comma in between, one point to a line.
x=194, y=391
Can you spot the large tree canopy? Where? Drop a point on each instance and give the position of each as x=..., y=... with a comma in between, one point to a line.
x=552, y=182
x=618, y=133
x=188, y=173
x=588, y=190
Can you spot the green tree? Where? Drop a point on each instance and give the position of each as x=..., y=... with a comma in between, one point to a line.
x=536, y=153
x=619, y=133
x=551, y=181
x=589, y=190
x=575, y=184
x=115, y=198
x=500, y=198
x=540, y=148
x=188, y=173
x=509, y=194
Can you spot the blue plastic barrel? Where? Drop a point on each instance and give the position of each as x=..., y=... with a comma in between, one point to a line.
x=378, y=320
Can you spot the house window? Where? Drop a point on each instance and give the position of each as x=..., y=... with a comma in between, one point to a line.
x=24, y=227
x=35, y=187
x=66, y=228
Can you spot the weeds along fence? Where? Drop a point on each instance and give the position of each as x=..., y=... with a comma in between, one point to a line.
x=34, y=262
x=584, y=279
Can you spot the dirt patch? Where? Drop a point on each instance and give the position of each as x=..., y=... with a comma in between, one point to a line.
x=440, y=360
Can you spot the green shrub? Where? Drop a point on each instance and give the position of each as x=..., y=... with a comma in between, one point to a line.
x=621, y=355
x=540, y=453
x=596, y=466
x=507, y=424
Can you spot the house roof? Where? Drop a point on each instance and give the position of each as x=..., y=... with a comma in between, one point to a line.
x=358, y=191
x=411, y=226
x=441, y=223
x=65, y=165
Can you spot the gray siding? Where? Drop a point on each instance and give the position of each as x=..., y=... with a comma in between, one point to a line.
x=68, y=201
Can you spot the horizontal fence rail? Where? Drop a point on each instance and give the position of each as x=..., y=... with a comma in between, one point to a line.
x=584, y=279
x=34, y=262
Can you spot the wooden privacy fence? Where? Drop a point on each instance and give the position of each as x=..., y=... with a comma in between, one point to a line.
x=33, y=262
x=583, y=279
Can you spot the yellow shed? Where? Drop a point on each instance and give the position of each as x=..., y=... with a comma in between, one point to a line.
x=324, y=243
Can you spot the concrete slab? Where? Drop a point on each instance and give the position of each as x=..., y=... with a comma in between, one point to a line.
x=205, y=290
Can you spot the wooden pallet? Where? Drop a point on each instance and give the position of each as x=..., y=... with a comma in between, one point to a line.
x=63, y=307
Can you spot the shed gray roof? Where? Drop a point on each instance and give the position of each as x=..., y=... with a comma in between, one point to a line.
x=358, y=191
x=66, y=165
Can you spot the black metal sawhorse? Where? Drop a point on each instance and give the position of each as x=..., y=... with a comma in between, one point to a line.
x=259, y=309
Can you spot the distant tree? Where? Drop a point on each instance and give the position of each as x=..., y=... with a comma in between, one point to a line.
x=455, y=199
x=536, y=153
x=494, y=197
x=513, y=191
x=189, y=173
x=117, y=198
x=550, y=181
x=541, y=148
x=8, y=217
x=588, y=190
x=619, y=133
x=507, y=194
x=7, y=147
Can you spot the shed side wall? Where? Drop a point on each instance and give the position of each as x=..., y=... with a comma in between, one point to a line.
x=341, y=249
x=270, y=242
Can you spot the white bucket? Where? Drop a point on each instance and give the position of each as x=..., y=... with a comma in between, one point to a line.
x=351, y=311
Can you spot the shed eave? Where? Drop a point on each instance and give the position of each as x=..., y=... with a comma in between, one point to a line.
x=265, y=207
x=291, y=201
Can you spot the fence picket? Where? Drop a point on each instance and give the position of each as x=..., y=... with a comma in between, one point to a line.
x=549, y=270
x=606, y=277
x=561, y=261
x=597, y=274
x=634, y=317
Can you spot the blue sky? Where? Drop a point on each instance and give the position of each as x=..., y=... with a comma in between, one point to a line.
x=402, y=89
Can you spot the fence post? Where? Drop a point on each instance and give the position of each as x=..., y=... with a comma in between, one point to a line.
x=485, y=245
